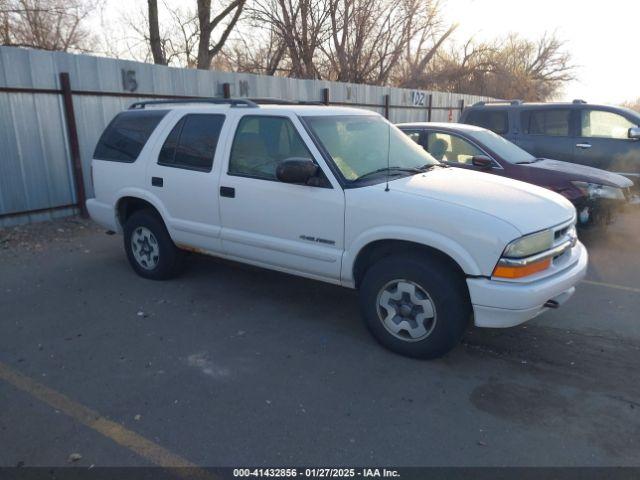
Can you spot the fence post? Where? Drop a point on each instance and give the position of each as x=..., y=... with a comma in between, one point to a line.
x=325, y=96
x=461, y=107
x=430, y=107
x=226, y=90
x=386, y=106
x=74, y=145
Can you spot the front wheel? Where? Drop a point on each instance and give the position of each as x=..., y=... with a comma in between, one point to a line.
x=415, y=305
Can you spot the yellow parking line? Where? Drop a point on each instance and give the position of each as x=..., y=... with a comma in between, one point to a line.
x=612, y=285
x=112, y=430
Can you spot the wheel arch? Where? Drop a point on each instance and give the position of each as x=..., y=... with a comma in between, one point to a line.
x=367, y=252
x=128, y=204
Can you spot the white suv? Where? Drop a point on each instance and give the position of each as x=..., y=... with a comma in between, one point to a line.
x=342, y=196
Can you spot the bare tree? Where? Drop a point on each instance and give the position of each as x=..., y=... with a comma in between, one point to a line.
x=513, y=67
x=265, y=57
x=301, y=26
x=48, y=24
x=177, y=36
x=155, y=41
x=206, y=49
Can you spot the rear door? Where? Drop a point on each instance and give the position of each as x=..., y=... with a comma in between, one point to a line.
x=604, y=142
x=298, y=228
x=548, y=132
x=183, y=175
x=492, y=118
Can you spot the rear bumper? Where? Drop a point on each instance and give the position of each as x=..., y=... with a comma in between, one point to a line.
x=103, y=214
x=500, y=304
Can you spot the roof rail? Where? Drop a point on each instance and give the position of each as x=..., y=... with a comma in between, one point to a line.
x=279, y=101
x=498, y=102
x=234, y=102
x=580, y=101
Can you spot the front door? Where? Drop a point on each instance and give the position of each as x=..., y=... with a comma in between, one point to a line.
x=604, y=142
x=297, y=228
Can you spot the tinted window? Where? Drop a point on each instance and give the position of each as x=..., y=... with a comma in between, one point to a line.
x=124, y=138
x=192, y=142
x=261, y=143
x=598, y=123
x=450, y=148
x=494, y=120
x=553, y=122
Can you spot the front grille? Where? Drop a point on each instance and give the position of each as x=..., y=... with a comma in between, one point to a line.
x=560, y=234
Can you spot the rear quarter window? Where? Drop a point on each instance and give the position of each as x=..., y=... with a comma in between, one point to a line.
x=495, y=120
x=126, y=135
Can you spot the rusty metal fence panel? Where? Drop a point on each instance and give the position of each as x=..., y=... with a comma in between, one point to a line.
x=38, y=177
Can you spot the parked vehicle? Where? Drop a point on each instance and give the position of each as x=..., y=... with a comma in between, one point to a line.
x=342, y=196
x=598, y=136
x=596, y=194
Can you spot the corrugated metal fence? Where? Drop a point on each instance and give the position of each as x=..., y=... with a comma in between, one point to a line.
x=42, y=163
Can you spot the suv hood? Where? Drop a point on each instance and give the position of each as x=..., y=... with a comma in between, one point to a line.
x=583, y=173
x=527, y=207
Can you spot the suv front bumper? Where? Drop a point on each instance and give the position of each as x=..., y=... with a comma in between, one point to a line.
x=501, y=304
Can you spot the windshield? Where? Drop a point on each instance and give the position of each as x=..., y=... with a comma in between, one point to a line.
x=362, y=145
x=510, y=152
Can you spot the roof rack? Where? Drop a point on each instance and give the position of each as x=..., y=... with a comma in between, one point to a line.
x=279, y=101
x=498, y=102
x=234, y=102
x=580, y=101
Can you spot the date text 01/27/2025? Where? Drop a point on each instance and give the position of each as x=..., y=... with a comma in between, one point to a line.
x=315, y=473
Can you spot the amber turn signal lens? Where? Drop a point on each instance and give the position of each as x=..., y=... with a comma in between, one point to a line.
x=504, y=271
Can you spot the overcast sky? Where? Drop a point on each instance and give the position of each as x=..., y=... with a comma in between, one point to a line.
x=602, y=36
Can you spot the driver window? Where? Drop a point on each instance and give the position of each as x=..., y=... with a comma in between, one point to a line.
x=601, y=124
x=450, y=148
x=261, y=143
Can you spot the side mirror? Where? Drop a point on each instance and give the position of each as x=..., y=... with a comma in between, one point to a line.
x=296, y=170
x=634, y=133
x=482, y=161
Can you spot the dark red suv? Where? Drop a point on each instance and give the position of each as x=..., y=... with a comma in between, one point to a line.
x=597, y=194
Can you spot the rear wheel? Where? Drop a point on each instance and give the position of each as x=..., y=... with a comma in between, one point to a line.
x=150, y=250
x=415, y=305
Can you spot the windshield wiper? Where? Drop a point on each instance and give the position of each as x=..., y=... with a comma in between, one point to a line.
x=527, y=162
x=429, y=166
x=391, y=170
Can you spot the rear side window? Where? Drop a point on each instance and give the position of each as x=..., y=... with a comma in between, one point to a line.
x=192, y=142
x=126, y=135
x=554, y=123
x=495, y=120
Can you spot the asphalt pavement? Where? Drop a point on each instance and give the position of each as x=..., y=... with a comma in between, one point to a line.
x=231, y=365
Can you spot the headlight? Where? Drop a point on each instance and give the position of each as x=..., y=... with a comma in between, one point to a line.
x=594, y=190
x=529, y=245
x=511, y=264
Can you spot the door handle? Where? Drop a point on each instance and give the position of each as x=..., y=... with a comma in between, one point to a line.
x=228, y=192
x=583, y=145
x=157, y=181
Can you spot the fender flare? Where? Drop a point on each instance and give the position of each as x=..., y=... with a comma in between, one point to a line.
x=420, y=236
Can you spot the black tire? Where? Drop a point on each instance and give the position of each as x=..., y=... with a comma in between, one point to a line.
x=169, y=260
x=446, y=288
